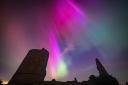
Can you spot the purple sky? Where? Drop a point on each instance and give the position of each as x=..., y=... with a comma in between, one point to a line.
x=74, y=31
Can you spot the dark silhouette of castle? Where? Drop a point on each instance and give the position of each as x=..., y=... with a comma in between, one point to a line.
x=103, y=79
x=100, y=68
x=32, y=71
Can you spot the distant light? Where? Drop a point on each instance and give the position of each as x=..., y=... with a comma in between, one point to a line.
x=4, y=82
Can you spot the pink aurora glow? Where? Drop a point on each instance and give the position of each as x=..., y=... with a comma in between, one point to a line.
x=67, y=15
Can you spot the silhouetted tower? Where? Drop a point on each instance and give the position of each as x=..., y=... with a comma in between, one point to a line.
x=101, y=68
x=32, y=69
x=104, y=78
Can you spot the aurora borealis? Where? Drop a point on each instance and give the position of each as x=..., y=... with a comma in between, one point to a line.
x=74, y=31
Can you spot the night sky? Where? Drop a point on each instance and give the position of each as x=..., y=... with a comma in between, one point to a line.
x=75, y=32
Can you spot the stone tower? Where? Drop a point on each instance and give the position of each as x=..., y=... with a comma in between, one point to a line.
x=32, y=69
x=100, y=67
x=104, y=78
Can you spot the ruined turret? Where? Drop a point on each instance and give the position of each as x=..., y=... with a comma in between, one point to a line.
x=100, y=68
x=32, y=69
x=104, y=78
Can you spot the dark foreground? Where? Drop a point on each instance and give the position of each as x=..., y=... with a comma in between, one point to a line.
x=38, y=58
